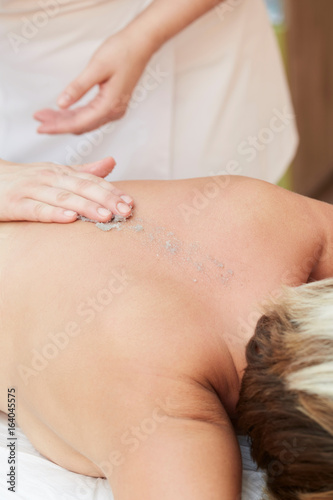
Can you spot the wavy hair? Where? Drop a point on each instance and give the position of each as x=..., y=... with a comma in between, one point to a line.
x=286, y=397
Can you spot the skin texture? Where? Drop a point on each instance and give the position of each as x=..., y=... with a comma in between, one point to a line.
x=47, y=192
x=135, y=44
x=152, y=323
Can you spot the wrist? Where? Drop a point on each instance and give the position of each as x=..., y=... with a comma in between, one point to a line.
x=143, y=36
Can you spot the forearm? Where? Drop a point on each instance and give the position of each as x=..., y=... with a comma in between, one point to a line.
x=164, y=19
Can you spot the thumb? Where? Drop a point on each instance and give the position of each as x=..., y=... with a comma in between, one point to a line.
x=89, y=77
x=100, y=168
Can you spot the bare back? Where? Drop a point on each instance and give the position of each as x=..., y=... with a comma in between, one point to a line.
x=102, y=331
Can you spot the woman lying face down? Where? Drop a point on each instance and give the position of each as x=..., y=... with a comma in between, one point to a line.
x=128, y=347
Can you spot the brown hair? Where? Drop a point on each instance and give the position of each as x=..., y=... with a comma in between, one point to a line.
x=286, y=397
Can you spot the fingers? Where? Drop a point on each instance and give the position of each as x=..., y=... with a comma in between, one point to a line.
x=99, y=182
x=72, y=121
x=48, y=192
x=80, y=192
x=37, y=211
x=57, y=122
x=99, y=191
x=90, y=77
x=105, y=184
x=99, y=168
x=108, y=105
x=85, y=205
x=96, y=185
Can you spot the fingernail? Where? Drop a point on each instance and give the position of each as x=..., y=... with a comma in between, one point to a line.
x=126, y=199
x=122, y=208
x=104, y=212
x=70, y=213
x=64, y=99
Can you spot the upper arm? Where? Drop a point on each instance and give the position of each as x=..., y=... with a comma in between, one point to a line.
x=183, y=459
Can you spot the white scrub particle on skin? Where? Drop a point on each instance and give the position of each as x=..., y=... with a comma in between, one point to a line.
x=114, y=223
x=194, y=246
x=226, y=277
x=172, y=246
x=166, y=243
x=107, y=226
x=217, y=263
x=85, y=219
x=117, y=222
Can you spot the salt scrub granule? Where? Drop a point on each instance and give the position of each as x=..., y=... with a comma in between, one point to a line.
x=115, y=222
x=172, y=246
x=107, y=226
x=216, y=262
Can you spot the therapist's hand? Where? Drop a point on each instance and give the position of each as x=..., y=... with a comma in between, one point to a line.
x=116, y=67
x=47, y=192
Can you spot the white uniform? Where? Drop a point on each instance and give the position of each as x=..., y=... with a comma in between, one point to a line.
x=212, y=100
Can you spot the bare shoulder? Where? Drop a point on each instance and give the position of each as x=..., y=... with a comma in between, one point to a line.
x=273, y=231
x=220, y=195
x=285, y=226
x=264, y=198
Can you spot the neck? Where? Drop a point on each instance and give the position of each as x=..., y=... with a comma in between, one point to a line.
x=323, y=259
